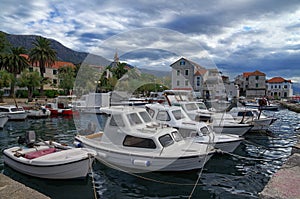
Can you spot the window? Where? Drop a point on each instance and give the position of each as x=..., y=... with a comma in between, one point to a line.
x=178, y=83
x=198, y=81
x=272, y=87
x=145, y=116
x=116, y=120
x=275, y=86
x=30, y=69
x=177, y=137
x=186, y=72
x=139, y=142
x=285, y=86
x=204, y=130
x=54, y=72
x=4, y=110
x=134, y=119
x=151, y=112
x=256, y=85
x=256, y=77
x=54, y=81
x=186, y=82
x=178, y=114
x=166, y=140
x=163, y=116
x=191, y=107
x=178, y=72
x=279, y=86
x=182, y=62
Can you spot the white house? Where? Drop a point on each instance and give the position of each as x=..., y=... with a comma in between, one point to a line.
x=278, y=87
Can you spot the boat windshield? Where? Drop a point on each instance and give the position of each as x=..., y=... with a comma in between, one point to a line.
x=116, y=120
x=177, y=136
x=16, y=109
x=166, y=140
x=163, y=116
x=191, y=107
x=178, y=114
x=145, y=116
x=202, y=106
x=134, y=119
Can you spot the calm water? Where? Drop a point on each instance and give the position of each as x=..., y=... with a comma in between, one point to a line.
x=224, y=176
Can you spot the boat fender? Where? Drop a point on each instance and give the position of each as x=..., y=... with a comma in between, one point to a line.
x=145, y=163
x=102, y=155
x=77, y=144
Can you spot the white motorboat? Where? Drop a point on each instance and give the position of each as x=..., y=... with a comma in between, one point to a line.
x=14, y=112
x=130, y=144
x=3, y=120
x=252, y=116
x=221, y=122
x=175, y=117
x=49, y=160
x=41, y=112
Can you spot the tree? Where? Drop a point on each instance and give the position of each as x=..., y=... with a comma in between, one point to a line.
x=42, y=55
x=31, y=80
x=15, y=64
x=120, y=70
x=5, y=79
x=66, y=76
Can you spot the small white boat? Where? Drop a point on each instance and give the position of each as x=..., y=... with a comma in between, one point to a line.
x=49, y=160
x=132, y=142
x=13, y=112
x=41, y=112
x=221, y=122
x=3, y=120
x=175, y=117
x=252, y=116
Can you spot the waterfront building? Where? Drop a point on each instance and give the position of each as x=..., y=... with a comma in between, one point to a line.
x=252, y=84
x=278, y=87
x=188, y=75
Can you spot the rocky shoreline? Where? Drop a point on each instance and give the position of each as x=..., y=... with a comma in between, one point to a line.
x=291, y=106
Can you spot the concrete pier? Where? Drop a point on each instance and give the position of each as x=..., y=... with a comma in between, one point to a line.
x=10, y=189
x=285, y=183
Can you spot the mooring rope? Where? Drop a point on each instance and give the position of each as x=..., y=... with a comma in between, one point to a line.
x=199, y=175
x=92, y=173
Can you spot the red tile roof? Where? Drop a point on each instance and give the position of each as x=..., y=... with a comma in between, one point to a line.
x=278, y=80
x=57, y=64
x=255, y=73
x=200, y=72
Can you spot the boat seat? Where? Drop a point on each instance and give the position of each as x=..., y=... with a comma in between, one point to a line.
x=36, y=154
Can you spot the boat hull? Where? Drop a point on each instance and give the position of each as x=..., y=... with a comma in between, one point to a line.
x=236, y=130
x=3, y=121
x=17, y=116
x=132, y=163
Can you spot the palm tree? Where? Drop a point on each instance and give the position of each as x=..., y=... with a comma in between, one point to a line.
x=42, y=55
x=14, y=63
x=31, y=80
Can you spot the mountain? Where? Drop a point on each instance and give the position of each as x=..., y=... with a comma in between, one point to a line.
x=63, y=53
x=155, y=72
x=69, y=55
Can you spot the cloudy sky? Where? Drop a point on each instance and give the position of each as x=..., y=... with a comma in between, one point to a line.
x=236, y=36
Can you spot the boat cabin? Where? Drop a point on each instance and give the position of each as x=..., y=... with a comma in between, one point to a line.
x=174, y=116
x=133, y=127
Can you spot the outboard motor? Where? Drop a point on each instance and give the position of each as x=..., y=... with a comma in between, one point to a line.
x=30, y=138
